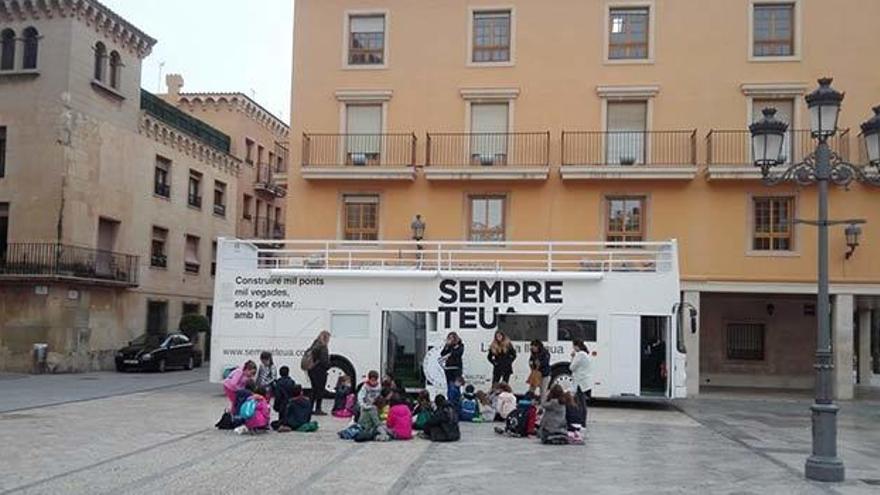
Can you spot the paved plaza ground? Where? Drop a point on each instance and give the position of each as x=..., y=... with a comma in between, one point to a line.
x=150, y=433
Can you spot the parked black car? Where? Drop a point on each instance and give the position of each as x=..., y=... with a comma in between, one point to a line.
x=158, y=352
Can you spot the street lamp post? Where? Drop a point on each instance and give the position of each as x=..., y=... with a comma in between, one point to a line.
x=822, y=167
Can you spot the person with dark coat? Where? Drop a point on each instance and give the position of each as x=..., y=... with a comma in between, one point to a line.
x=452, y=360
x=442, y=426
x=501, y=355
x=318, y=372
x=540, y=362
x=283, y=390
x=299, y=411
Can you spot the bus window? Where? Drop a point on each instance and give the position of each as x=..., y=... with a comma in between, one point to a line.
x=523, y=328
x=568, y=330
x=350, y=325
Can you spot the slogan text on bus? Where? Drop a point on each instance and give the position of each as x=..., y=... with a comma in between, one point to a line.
x=474, y=304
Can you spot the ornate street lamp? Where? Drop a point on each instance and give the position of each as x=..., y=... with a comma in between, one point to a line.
x=822, y=167
x=871, y=133
x=853, y=232
x=418, y=228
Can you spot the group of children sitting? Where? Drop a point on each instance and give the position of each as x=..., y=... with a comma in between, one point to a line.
x=381, y=411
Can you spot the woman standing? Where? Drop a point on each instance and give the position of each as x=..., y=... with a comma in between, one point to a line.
x=501, y=355
x=318, y=372
x=451, y=356
x=539, y=362
x=581, y=376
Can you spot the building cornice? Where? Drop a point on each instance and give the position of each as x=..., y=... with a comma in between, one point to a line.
x=182, y=142
x=238, y=102
x=95, y=15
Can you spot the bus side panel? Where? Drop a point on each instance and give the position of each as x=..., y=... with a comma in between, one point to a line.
x=625, y=356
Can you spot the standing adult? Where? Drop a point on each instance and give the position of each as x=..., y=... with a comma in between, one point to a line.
x=539, y=362
x=452, y=362
x=581, y=376
x=501, y=355
x=320, y=353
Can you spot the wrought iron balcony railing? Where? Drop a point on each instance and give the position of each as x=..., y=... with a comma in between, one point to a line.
x=734, y=148
x=637, y=148
x=514, y=149
x=359, y=150
x=266, y=228
x=61, y=261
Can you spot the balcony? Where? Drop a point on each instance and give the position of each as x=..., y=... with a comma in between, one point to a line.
x=280, y=167
x=159, y=261
x=162, y=190
x=220, y=210
x=31, y=261
x=625, y=155
x=191, y=268
x=359, y=156
x=729, y=154
x=194, y=201
x=265, y=228
x=266, y=182
x=488, y=156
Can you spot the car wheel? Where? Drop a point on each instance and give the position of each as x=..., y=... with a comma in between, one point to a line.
x=561, y=375
x=161, y=366
x=338, y=367
x=190, y=363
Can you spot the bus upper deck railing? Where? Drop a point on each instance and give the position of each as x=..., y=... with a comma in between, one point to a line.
x=466, y=256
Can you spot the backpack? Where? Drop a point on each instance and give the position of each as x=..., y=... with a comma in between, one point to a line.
x=517, y=422
x=309, y=427
x=248, y=409
x=421, y=418
x=350, y=433
x=227, y=422
x=308, y=360
x=468, y=409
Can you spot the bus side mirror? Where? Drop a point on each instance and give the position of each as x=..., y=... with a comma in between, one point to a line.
x=693, y=314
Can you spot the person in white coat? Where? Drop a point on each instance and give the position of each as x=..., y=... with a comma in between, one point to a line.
x=581, y=376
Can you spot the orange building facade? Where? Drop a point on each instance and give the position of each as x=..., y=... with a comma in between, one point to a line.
x=611, y=120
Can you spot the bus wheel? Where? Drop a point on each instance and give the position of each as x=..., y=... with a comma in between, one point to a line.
x=339, y=366
x=561, y=375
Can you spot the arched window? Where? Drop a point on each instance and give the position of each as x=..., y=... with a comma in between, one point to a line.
x=31, y=48
x=7, y=50
x=100, y=58
x=115, y=69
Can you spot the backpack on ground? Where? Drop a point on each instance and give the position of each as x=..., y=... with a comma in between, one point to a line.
x=309, y=427
x=350, y=433
x=248, y=409
x=469, y=409
x=517, y=422
x=226, y=422
x=308, y=360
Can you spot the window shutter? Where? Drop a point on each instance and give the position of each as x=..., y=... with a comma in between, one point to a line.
x=364, y=119
x=368, y=24
x=626, y=125
x=492, y=119
x=627, y=116
x=192, y=250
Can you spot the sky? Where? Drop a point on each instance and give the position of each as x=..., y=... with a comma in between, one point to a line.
x=218, y=45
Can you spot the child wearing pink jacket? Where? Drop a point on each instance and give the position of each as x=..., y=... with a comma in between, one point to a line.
x=400, y=419
x=260, y=419
x=237, y=380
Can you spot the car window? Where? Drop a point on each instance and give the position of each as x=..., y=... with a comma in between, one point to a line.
x=182, y=339
x=149, y=340
x=168, y=342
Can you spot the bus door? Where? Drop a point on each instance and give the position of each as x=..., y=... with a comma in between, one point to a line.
x=404, y=343
x=625, y=365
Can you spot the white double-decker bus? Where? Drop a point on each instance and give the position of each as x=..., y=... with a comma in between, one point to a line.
x=387, y=303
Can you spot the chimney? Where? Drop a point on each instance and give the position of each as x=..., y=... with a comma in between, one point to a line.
x=174, y=83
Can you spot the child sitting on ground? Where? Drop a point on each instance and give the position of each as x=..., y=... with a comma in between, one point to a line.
x=423, y=410
x=505, y=402
x=487, y=412
x=369, y=421
x=468, y=407
x=343, y=403
x=283, y=391
x=255, y=411
x=554, y=429
x=522, y=421
x=236, y=381
x=266, y=373
x=400, y=420
x=443, y=424
x=455, y=392
x=299, y=413
x=370, y=389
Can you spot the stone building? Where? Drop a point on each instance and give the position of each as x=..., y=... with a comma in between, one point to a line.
x=110, y=198
x=606, y=120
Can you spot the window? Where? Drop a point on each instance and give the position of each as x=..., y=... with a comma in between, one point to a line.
x=568, y=330
x=158, y=254
x=350, y=325
x=626, y=125
x=194, y=189
x=279, y=165
x=162, y=177
x=246, y=205
x=157, y=317
x=271, y=160
x=625, y=222
x=366, y=40
x=491, y=37
x=189, y=309
x=773, y=224
x=523, y=328
x=361, y=219
x=31, y=48
x=213, y=258
x=100, y=60
x=259, y=155
x=115, y=69
x=2, y=151
x=628, y=33
x=363, y=127
x=4, y=229
x=773, y=30
x=487, y=218
x=745, y=341
x=219, y=198
x=191, y=261
x=249, y=151
x=7, y=50
x=784, y=112
x=489, y=133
